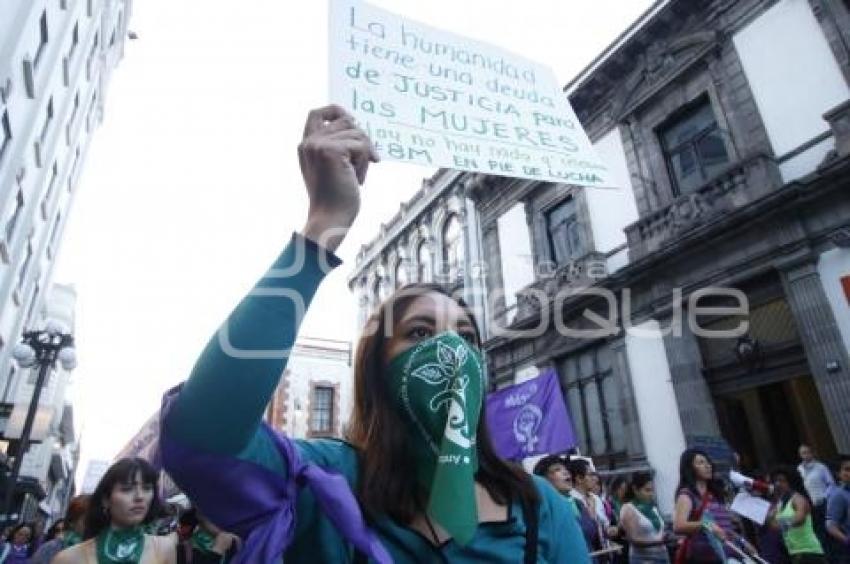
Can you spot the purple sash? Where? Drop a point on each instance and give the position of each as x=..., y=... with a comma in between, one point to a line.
x=258, y=504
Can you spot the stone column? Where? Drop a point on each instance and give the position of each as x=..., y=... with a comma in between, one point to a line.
x=696, y=406
x=628, y=406
x=825, y=352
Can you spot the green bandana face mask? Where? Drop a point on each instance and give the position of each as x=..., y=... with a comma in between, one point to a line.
x=438, y=385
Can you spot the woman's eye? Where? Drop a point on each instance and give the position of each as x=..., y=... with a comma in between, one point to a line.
x=419, y=333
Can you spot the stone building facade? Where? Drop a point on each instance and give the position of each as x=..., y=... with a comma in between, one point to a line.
x=732, y=147
x=313, y=398
x=706, y=294
x=432, y=238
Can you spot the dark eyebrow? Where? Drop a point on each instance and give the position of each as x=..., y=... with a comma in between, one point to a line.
x=461, y=323
x=418, y=319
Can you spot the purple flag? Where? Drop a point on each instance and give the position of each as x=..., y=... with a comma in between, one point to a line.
x=530, y=418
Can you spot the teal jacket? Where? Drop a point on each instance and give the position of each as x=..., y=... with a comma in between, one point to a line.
x=221, y=406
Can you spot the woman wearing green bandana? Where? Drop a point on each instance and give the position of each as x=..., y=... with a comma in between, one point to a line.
x=122, y=503
x=417, y=456
x=643, y=524
x=75, y=523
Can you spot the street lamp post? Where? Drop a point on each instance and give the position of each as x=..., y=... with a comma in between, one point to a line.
x=42, y=348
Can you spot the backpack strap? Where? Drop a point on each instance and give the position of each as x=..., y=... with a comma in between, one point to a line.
x=531, y=516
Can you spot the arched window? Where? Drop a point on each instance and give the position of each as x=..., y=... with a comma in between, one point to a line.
x=423, y=266
x=453, y=248
x=384, y=289
x=375, y=294
x=401, y=277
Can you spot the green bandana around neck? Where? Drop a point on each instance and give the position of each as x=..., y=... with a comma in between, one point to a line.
x=648, y=511
x=438, y=385
x=120, y=545
x=203, y=540
x=70, y=538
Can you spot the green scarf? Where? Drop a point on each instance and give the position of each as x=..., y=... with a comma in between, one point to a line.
x=70, y=538
x=648, y=511
x=438, y=385
x=203, y=540
x=120, y=545
x=617, y=506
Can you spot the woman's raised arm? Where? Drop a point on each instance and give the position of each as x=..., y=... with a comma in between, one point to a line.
x=222, y=403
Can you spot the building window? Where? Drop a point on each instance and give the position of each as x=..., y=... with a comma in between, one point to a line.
x=42, y=40
x=75, y=40
x=423, y=254
x=92, y=55
x=90, y=113
x=453, y=248
x=12, y=222
x=593, y=400
x=693, y=147
x=401, y=278
x=73, y=117
x=322, y=410
x=6, y=132
x=47, y=119
x=563, y=232
x=51, y=185
x=9, y=379
x=33, y=302
x=54, y=232
x=383, y=289
x=25, y=266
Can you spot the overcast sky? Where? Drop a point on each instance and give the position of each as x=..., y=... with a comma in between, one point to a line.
x=192, y=186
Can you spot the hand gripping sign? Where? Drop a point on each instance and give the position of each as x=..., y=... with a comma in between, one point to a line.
x=429, y=97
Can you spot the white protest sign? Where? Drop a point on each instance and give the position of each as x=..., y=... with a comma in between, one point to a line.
x=429, y=97
x=753, y=508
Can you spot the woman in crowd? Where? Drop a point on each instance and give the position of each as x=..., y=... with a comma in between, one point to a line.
x=417, y=479
x=768, y=537
x=75, y=520
x=55, y=530
x=554, y=468
x=794, y=517
x=617, y=494
x=642, y=523
x=701, y=513
x=123, y=502
x=18, y=549
x=585, y=501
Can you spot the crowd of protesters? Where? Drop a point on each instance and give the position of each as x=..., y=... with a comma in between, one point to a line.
x=808, y=520
x=125, y=521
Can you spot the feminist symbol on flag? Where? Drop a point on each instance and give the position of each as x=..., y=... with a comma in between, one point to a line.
x=526, y=422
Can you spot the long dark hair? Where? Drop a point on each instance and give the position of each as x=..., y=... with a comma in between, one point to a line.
x=794, y=479
x=122, y=472
x=53, y=531
x=616, y=484
x=639, y=480
x=387, y=483
x=688, y=477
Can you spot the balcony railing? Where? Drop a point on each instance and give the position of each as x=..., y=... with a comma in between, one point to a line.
x=741, y=184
